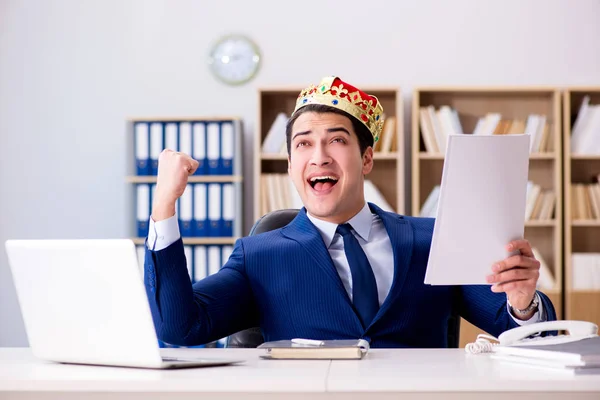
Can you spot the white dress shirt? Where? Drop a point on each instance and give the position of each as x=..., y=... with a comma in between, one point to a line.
x=370, y=233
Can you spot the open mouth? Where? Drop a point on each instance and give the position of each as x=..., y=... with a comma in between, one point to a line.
x=321, y=183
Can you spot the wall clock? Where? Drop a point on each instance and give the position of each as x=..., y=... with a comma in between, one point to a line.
x=234, y=59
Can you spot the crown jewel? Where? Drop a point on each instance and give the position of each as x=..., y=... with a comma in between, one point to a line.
x=334, y=92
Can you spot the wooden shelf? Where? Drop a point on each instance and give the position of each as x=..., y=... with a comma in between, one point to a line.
x=540, y=223
x=199, y=240
x=586, y=223
x=580, y=234
x=284, y=157
x=438, y=156
x=545, y=168
x=183, y=119
x=584, y=292
x=191, y=179
x=274, y=157
x=584, y=157
x=430, y=156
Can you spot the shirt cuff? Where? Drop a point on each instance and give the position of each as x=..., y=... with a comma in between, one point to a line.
x=162, y=234
x=539, y=316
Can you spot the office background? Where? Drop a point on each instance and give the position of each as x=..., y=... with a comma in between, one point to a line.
x=72, y=72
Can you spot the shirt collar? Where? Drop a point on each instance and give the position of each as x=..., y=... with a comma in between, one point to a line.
x=361, y=223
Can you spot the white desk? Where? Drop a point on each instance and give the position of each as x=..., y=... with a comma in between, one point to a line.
x=383, y=374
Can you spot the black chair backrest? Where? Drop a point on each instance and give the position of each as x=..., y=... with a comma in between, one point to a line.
x=252, y=337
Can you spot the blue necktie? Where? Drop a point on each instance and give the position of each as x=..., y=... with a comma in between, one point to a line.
x=364, y=286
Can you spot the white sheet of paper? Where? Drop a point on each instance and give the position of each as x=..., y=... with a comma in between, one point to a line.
x=481, y=207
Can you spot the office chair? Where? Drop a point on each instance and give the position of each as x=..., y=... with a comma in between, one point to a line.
x=252, y=337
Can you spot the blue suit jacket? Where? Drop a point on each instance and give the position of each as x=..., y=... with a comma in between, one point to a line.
x=285, y=282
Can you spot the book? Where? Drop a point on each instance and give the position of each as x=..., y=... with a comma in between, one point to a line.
x=300, y=349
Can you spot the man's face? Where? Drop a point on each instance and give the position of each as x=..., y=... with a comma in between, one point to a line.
x=326, y=166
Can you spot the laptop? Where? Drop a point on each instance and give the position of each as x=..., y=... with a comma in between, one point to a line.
x=83, y=301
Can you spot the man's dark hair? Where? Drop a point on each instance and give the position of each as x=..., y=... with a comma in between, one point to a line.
x=365, y=138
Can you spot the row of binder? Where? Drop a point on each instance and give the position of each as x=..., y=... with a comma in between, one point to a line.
x=204, y=209
x=202, y=261
x=216, y=145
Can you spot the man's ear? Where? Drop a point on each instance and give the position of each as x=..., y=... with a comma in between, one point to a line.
x=367, y=161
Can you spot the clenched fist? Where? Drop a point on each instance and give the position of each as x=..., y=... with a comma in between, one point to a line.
x=173, y=171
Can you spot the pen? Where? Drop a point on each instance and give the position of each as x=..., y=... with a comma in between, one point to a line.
x=309, y=342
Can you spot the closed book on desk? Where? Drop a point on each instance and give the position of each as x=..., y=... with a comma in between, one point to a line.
x=327, y=350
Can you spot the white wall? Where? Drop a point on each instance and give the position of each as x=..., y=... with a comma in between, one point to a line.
x=71, y=71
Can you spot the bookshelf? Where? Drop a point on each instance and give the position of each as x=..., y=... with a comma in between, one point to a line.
x=494, y=110
x=581, y=218
x=270, y=167
x=209, y=212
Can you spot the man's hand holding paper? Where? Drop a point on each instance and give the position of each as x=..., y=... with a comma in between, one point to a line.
x=516, y=275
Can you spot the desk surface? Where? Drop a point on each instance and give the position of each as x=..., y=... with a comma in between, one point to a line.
x=382, y=373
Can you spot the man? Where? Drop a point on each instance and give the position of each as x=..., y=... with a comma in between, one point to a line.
x=342, y=268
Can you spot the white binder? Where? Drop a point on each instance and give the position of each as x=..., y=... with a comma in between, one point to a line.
x=226, y=253
x=156, y=145
x=187, y=249
x=171, y=136
x=142, y=148
x=185, y=138
x=200, y=210
x=213, y=152
x=185, y=211
x=200, y=263
x=214, y=209
x=214, y=259
x=143, y=208
x=228, y=209
x=199, y=152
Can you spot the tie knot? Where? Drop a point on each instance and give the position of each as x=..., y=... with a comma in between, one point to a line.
x=344, y=229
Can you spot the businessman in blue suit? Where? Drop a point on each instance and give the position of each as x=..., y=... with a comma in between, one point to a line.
x=343, y=268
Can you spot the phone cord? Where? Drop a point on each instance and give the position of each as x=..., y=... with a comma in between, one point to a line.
x=483, y=344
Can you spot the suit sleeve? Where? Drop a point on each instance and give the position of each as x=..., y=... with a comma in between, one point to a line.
x=488, y=310
x=213, y=308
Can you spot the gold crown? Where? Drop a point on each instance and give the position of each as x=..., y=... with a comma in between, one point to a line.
x=334, y=92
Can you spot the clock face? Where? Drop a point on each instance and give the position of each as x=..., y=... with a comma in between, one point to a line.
x=234, y=59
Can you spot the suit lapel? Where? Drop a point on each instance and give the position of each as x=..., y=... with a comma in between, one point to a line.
x=306, y=234
x=401, y=237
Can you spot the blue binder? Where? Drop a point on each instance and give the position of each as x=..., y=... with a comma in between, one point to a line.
x=213, y=148
x=227, y=148
x=142, y=148
x=200, y=219
x=156, y=145
x=215, y=205
x=227, y=209
x=143, y=202
x=186, y=209
x=199, y=147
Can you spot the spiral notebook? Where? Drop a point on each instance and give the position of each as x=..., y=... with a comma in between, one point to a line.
x=324, y=350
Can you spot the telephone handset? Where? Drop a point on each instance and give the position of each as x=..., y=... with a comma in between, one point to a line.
x=520, y=336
